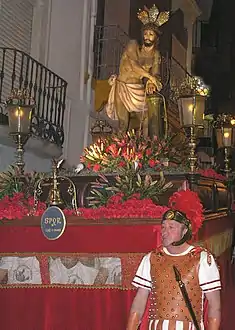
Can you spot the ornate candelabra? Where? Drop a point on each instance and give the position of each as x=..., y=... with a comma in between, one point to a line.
x=54, y=182
x=226, y=162
x=191, y=96
x=191, y=110
x=20, y=106
x=224, y=127
x=192, y=147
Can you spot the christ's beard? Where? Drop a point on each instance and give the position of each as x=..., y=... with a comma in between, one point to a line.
x=148, y=43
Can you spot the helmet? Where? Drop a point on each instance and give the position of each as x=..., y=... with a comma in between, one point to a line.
x=186, y=208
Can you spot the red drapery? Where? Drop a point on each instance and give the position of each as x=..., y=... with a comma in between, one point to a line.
x=87, y=239
x=62, y=309
x=83, y=309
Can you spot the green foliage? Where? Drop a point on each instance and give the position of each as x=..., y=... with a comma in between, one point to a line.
x=128, y=183
x=12, y=182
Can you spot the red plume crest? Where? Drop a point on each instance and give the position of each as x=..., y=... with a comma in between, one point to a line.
x=188, y=202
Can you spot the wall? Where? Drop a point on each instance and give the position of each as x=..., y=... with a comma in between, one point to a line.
x=63, y=41
x=117, y=12
x=205, y=6
x=191, y=11
x=32, y=162
x=179, y=52
x=14, y=37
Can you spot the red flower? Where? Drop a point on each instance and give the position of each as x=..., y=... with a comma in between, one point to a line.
x=112, y=149
x=115, y=199
x=148, y=152
x=132, y=208
x=139, y=155
x=211, y=173
x=135, y=196
x=151, y=163
x=122, y=164
x=96, y=168
x=121, y=143
x=17, y=207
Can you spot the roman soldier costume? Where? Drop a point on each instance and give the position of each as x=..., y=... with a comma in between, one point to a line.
x=172, y=307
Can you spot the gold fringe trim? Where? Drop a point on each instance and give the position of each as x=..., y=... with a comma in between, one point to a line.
x=218, y=244
x=63, y=286
x=72, y=254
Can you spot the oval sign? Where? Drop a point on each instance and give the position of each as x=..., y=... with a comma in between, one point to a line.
x=53, y=223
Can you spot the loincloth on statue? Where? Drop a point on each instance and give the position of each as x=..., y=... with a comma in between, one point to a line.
x=133, y=97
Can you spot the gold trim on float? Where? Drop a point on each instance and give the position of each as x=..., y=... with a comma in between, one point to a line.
x=64, y=286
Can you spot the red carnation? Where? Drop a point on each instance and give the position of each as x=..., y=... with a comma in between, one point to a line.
x=96, y=168
x=148, y=152
x=122, y=164
x=151, y=163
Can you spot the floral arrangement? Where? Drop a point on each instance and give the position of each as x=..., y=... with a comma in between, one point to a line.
x=117, y=208
x=223, y=119
x=211, y=173
x=17, y=207
x=129, y=182
x=189, y=86
x=118, y=151
x=12, y=182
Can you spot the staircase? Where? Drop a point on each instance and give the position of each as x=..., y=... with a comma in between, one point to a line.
x=19, y=70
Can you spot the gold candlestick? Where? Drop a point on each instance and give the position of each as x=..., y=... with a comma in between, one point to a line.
x=226, y=162
x=54, y=196
x=192, y=146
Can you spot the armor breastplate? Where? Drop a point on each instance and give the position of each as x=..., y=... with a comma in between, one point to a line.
x=167, y=302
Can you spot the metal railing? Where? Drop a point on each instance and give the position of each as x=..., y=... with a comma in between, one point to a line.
x=178, y=76
x=109, y=44
x=21, y=71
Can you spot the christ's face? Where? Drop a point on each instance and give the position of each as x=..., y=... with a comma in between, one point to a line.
x=149, y=37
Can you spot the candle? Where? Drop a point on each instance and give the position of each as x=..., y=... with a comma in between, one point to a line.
x=227, y=137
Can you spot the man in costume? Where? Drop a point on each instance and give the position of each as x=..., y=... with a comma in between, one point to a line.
x=156, y=277
x=128, y=93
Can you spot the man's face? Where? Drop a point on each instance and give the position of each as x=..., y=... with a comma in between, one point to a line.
x=172, y=231
x=149, y=38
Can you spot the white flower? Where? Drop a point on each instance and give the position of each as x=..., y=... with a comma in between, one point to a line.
x=136, y=164
x=79, y=168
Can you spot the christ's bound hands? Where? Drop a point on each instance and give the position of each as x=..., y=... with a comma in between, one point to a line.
x=155, y=81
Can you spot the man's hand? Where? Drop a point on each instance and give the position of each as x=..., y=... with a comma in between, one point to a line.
x=150, y=88
x=155, y=81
